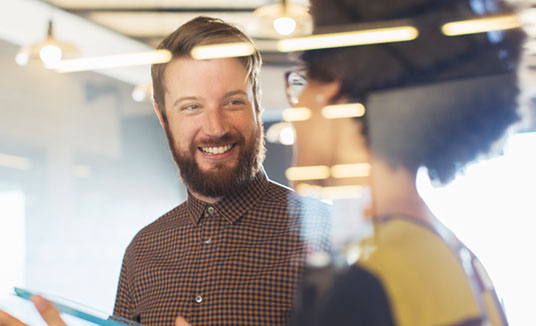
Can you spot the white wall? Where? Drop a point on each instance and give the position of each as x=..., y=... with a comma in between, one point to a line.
x=99, y=170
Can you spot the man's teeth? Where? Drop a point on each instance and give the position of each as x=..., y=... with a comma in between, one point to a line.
x=216, y=150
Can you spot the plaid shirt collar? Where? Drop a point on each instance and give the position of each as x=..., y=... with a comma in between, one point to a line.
x=231, y=207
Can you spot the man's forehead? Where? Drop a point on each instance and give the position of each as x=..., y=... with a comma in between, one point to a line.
x=185, y=74
x=187, y=65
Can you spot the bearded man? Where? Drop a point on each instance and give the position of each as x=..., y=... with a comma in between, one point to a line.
x=232, y=253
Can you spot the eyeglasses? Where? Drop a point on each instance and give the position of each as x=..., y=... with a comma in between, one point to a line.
x=295, y=82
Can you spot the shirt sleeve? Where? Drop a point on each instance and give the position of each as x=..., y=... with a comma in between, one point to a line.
x=124, y=307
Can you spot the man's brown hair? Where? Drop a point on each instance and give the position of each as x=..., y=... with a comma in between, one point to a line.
x=204, y=31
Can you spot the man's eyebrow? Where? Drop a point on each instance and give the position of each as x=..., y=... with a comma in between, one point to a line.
x=185, y=98
x=237, y=92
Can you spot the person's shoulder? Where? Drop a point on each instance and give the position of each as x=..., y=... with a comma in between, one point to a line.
x=284, y=195
x=405, y=245
x=174, y=218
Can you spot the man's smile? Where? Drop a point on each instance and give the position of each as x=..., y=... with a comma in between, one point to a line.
x=212, y=150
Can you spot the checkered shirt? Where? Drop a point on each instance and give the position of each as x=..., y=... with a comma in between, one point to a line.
x=236, y=262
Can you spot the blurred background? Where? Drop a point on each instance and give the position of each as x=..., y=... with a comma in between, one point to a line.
x=84, y=164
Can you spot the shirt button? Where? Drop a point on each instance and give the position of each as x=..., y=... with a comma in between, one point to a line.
x=208, y=241
x=210, y=209
x=199, y=299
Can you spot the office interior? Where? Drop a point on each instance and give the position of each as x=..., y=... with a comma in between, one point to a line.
x=84, y=164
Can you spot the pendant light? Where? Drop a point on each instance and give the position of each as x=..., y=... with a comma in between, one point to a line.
x=49, y=51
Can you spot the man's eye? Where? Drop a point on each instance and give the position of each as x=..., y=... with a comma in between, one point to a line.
x=236, y=102
x=190, y=107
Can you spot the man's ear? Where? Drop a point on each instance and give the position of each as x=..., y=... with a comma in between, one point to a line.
x=158, y=114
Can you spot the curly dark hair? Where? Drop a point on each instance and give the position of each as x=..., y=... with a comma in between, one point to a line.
x=472, y=125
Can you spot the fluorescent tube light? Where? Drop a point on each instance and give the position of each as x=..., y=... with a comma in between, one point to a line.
x=218, y=51
x=316, y=172
x=15, y=162
x=114, y=61
x=296, y=114
x=356, y=170
x=362, y=37
x=480, y=25
x=331, y=193
x=339, y=111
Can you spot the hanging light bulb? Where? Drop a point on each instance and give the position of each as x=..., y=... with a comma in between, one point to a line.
x=50, y=55
x=282, y=19
x=50, y=51
x=142, y=92
x=282, y=133
x=284, y=25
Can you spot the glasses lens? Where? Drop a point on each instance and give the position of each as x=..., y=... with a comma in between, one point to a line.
x=295, y=84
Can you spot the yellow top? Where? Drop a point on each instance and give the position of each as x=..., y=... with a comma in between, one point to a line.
x=424, y=280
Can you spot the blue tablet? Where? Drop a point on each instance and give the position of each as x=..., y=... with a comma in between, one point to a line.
x=78, y=311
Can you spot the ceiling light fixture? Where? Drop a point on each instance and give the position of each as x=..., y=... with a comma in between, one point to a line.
x=481, y=25
x=357, y=170
x=282, y=133
x=224, y=50
x=331, y=193
x=296, y=114
x=334, y=40
x=15, y=162
x=284, y=25
x=142, y=92
x=316, y=172
x=281, y=20
x=114, y=61
x=339, y=111
x=50, y=51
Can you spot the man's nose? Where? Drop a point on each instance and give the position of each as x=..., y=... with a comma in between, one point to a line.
x=215, y=123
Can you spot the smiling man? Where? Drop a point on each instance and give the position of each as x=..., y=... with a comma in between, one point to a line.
x=212, y=123
x=233, y=252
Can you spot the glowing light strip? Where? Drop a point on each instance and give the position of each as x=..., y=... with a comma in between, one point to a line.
x=480, y=25
x=350, y=170
x=296, y=114
x=333, y=40
x=317, y=172
x=15, y=162
x=340, y=111
x=335, y=192
x=217, y=51
x=113, y=61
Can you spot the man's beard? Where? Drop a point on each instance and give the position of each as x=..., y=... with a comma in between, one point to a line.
x=220, y=180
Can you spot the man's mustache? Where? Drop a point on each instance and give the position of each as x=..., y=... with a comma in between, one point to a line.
x=226, y=139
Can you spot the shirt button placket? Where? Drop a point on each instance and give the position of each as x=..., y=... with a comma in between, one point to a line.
x=210, y=210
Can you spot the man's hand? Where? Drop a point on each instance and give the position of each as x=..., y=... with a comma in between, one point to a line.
x=52, y=316
x=47, y=310
x=178, y=322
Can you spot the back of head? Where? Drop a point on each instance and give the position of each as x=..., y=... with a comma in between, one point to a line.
x=204, y=31
x=466, y=128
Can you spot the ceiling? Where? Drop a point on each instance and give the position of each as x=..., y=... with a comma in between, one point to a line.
x=102, y=27
x=149, y=21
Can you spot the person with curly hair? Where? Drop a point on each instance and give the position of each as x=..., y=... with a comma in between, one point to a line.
x=437, y=102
